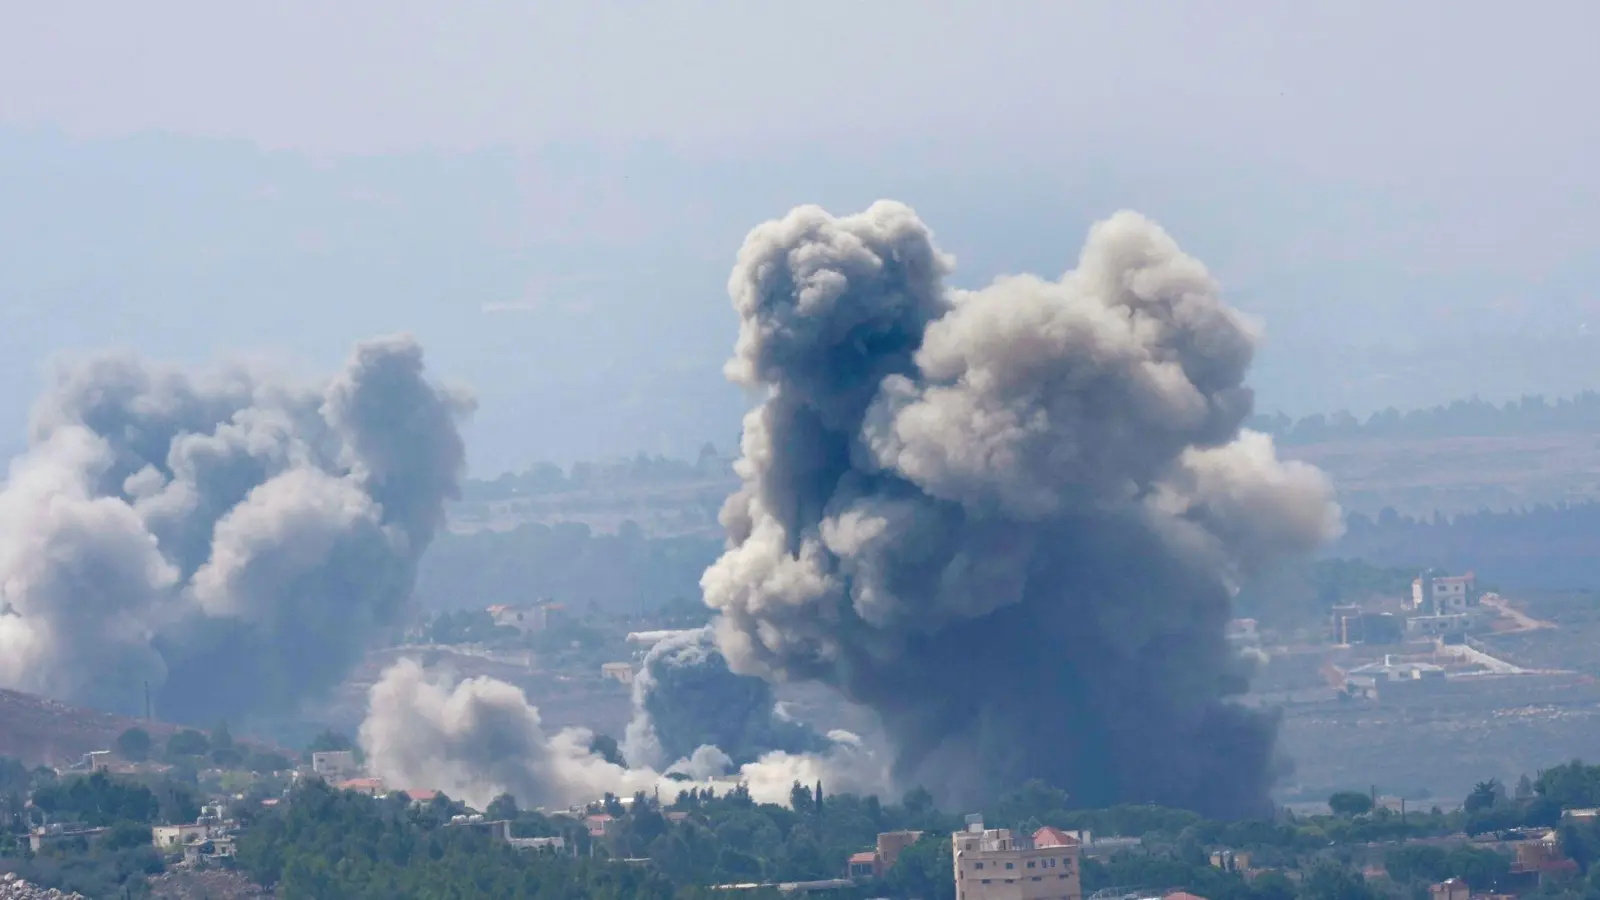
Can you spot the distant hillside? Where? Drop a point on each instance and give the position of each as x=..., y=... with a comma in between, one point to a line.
x=568, y=562
x=43, y=732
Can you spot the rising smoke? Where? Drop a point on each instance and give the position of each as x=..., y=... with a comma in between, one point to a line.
x=477, y=738
x=233, y=540
x=685, y=697
x=1007, y=519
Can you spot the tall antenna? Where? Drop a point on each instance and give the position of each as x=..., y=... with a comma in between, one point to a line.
x=147, y=716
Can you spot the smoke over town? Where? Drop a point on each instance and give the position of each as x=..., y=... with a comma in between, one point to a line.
x=686, y=697
x=478, y=738
x=231, y=539
x=1007, y=519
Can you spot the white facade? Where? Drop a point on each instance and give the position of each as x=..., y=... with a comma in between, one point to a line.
x=335, y=765
x=993, y=864
x=1443, y=595
x=168, y=836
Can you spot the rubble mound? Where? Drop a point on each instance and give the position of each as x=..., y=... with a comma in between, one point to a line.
x=14, y=888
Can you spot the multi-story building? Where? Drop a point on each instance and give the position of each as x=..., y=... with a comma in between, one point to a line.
x=1433, y=594
x=877, y=862
x=540, y=616
x=994, y=864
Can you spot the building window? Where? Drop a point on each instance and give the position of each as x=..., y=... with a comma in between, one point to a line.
x=1035, y=878
x=1030, y=865
x=1011, y=865
x=980, y=865
x=986, y=881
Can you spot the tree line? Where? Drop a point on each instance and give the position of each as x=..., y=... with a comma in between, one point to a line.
x=1544, y=547
x=325, y=844
x=1531, y=414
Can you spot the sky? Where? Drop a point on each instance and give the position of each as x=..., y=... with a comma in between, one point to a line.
x=550, y=195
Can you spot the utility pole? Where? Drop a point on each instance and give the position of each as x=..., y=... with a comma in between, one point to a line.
x=147, y=716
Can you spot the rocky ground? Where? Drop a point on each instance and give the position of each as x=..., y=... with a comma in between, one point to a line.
x=14, y=888
x=205, y=884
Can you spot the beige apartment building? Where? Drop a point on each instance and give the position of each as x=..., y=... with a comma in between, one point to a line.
x=994, y=864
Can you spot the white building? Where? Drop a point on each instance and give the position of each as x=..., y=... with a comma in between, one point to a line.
x=167, y=837
x=617, y=671
x=994, y=864
x=1443, y=595
x=528, y=619
x=335, y=765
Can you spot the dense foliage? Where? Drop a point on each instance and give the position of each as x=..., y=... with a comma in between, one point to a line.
x=322, y=843
x=347, y=846
x=100, y=799
x=117, y=862
x=325, y=844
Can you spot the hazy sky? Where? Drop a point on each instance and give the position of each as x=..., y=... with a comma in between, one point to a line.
x=550, y=195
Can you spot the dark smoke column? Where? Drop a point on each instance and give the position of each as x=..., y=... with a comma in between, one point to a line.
x=1007, y=519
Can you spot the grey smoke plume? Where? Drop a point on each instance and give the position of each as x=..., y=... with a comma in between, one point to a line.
x=686, y=697
x=232, y=539
x=479, y=738
x=1007, y=519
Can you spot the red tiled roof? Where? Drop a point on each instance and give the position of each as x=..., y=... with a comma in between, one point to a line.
x=866, y=856
x=1053, y=837
x=1183, y=895
x=421, y=795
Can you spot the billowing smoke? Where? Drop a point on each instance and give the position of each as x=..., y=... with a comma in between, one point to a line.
x=1007, y=519
x=477, y=738
x=685, y=697
x=233, y=540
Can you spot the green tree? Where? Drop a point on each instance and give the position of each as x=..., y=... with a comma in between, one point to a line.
x=923, y=870
x=1417, y=862
x=1328, y=880
x=1350, y=803
x=330, y=740
x=187, y=742
x=1482, y=869
x=1484, y=795
x=502, y=807
x=134, y=744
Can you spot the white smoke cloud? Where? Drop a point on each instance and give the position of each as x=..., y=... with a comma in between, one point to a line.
x=477, y=738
